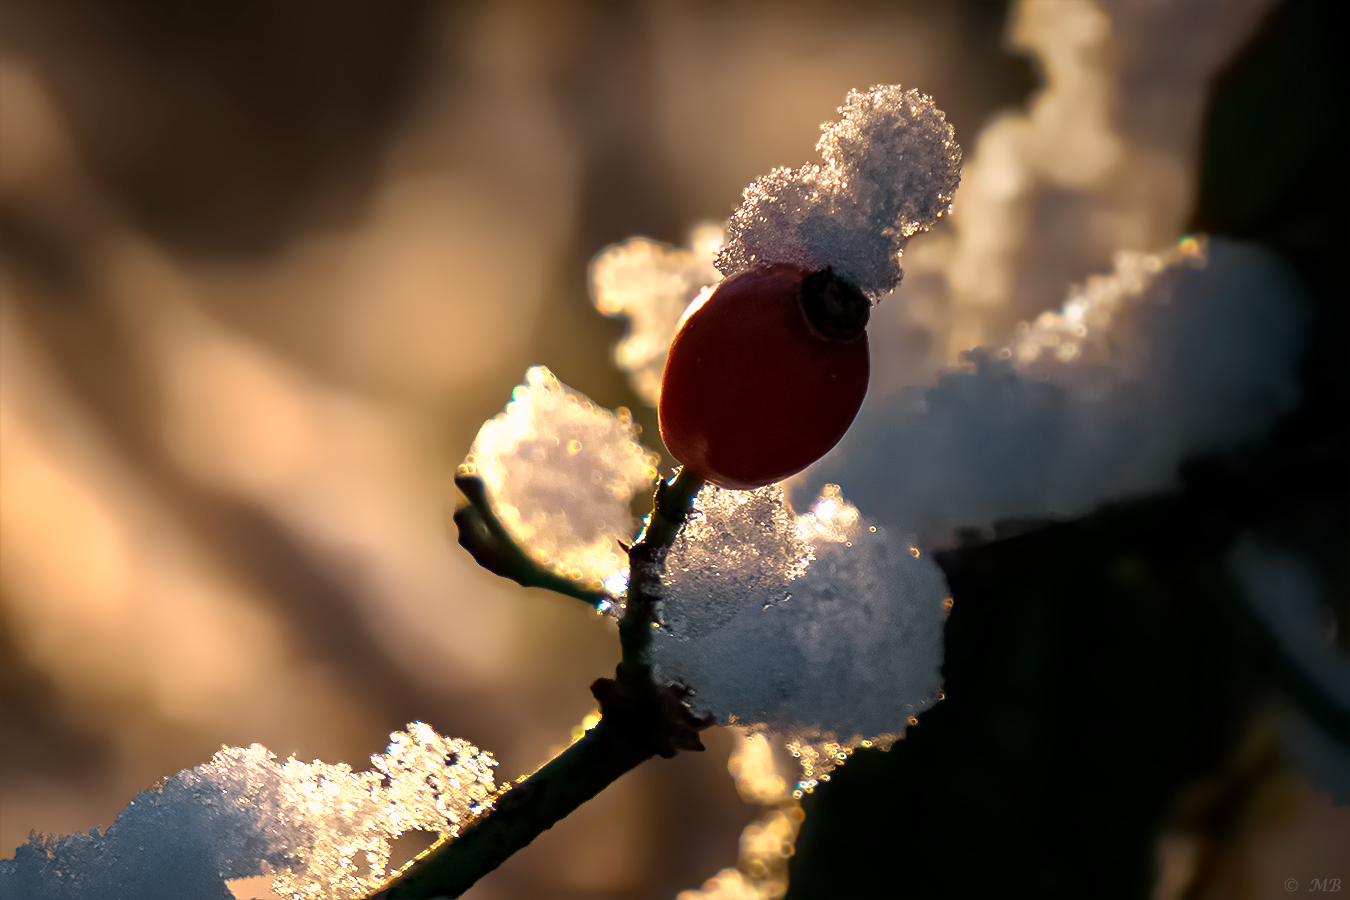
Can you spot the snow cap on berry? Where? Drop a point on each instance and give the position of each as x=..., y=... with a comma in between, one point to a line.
x=891, y=167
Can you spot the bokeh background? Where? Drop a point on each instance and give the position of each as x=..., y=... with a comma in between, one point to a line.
x=266, y=267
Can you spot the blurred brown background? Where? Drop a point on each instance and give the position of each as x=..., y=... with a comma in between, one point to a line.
x=266, y=268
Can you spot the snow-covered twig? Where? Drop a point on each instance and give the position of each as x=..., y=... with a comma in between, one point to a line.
x=639, y=719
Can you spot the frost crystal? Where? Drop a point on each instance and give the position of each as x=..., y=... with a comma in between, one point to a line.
x=652, y=284
x=820, y=627
x=560, y=473
x=891, y=167
x=322, y=830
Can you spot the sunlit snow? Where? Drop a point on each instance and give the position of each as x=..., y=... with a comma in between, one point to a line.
x=560, y=473
x=651, y=284
x=322, y=830
x=891, y=167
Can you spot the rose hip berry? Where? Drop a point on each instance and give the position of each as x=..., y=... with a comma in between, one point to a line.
x=766, y=375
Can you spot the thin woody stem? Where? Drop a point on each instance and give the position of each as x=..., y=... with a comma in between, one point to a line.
x=639, y=720
x=491, y=546
x=524, y=812
x=671, y=505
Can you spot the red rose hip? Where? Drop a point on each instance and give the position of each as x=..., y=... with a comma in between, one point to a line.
x=765, y=375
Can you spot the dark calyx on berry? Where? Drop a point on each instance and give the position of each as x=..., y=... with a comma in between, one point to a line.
x=834, y=307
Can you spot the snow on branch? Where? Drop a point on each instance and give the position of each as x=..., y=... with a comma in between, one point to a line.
x=322, y=830
x=1189, y=351
x=821, y=628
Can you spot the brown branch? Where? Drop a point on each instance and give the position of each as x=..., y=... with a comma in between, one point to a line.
x=639, y=719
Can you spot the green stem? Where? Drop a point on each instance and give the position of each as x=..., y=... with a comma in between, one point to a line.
x=639, y=719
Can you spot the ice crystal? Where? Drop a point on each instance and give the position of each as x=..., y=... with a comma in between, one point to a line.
x=891, y=167
x=322, y=830
x=560, y=473
x=1193, y=350
x=652, y=284
x=820, y=627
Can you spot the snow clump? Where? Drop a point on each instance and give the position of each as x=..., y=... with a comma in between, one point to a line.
x=821, y=628
x=560, y=473
x=746, y=544
x=322, y=830
x=1190, y=351
x=891, y=167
